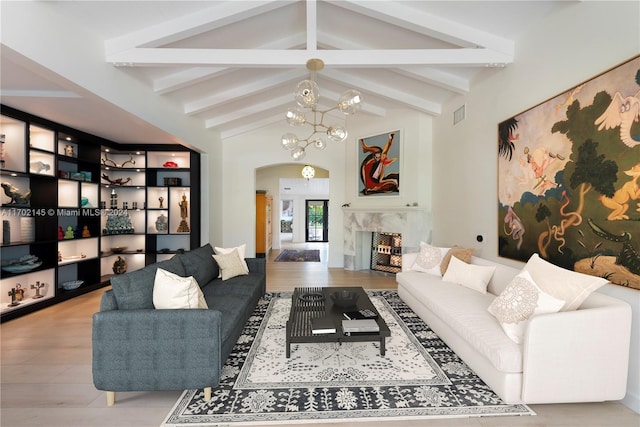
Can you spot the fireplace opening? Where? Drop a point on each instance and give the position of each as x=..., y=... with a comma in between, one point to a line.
x=386, y=252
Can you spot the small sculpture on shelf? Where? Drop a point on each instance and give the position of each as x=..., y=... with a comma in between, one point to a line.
x=13, y=293
x=117, y=181
x=69, y=151
x=85, y=231
x=120, y=266
x=69, y=233
x=60, y=233
x=108, y=162
x=161, y=200
x=37, y=287
x=39, y=166
x=17, y=198
x=114, y=199
x=184, y=213
x=161, y=223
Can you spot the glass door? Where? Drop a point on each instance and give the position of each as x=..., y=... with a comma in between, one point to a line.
x=317, y=224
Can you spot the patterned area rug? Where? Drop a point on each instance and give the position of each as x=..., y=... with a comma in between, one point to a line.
x=292, y=255
x=418, y=378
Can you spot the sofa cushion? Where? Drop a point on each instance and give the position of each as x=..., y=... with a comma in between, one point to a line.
x=474, y=277
x=465, y=311
x=520, y=301
x=199, y=264
x=570, y=286
x=134, y=290
x=429, y=259
x=171, y=291
x=463, y=254
x=241, y=251
x=231, y=265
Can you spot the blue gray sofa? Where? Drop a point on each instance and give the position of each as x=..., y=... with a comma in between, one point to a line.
x=139, y=348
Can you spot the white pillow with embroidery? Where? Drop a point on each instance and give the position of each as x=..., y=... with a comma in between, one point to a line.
x=520, y=301
x=429, y=259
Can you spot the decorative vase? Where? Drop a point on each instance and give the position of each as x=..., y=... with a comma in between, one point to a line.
x=161, y=224
x=120, y=266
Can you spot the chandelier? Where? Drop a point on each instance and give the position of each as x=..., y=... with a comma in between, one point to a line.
x=308, y=172
x=307, y=113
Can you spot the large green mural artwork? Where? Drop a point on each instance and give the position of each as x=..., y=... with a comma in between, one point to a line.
x=569, y=178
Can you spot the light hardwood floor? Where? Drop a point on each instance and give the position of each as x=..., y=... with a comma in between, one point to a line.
x=46, y=368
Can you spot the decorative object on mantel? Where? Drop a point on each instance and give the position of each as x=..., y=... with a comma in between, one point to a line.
x=17, y=197
x=308, y=172
x=117, y=181
x=307, y=96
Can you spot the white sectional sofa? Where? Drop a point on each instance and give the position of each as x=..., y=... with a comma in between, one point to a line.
x=569, y=356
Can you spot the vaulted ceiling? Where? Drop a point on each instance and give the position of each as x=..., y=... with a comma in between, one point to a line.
x=234, y=64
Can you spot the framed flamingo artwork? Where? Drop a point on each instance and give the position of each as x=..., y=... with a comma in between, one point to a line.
x=569, y=178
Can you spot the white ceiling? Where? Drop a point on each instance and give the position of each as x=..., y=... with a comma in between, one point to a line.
x=234, y=64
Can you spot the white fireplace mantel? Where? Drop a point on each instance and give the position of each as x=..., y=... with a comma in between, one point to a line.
x=414, y=223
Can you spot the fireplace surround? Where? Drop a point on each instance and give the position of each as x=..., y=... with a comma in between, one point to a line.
x=359, y=224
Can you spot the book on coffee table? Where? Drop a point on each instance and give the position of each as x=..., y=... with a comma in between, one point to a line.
x=360, y=314
x=323, y=325
x=360, y=326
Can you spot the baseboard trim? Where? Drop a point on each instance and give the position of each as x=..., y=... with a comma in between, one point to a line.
x=632, y=402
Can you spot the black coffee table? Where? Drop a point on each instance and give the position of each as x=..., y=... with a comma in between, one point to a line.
x=309, y=303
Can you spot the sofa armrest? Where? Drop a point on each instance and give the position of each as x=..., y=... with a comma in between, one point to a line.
x=257, y=265
x=578, y=356
x=108, y=301
x=135, y=350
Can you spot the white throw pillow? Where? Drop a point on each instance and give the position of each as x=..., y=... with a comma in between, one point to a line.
x=429, y=259
x=521, y=300
x=240, y=249
x=230, y=265
x=472, y=276
x=567, y=285
x=173, y=291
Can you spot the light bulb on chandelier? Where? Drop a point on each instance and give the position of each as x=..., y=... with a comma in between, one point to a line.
x=307, y=96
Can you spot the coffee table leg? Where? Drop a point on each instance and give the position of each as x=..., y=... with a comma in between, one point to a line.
x=288, y=349
x=382, y=347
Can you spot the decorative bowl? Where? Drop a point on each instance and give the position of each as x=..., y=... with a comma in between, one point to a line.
x=344, y=299
x=21, y=268
x=75, y=284
x=118, y=249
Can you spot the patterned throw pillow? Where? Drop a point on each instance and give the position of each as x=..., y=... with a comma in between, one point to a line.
x=429, y=259
x=521, y=300
x=231, y=265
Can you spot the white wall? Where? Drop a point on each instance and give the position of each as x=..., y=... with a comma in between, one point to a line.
x=245, y=153
x=580, y=41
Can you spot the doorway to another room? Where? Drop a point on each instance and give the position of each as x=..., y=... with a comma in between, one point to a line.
x=317, y=220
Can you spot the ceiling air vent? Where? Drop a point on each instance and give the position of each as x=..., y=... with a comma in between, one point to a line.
x=459, y=115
